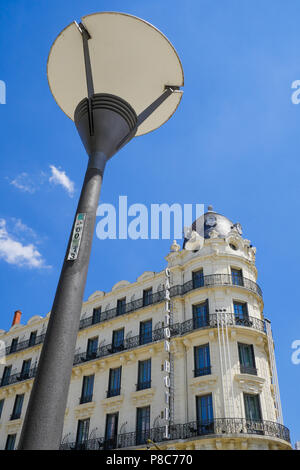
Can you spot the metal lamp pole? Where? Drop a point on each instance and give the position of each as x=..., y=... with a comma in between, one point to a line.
x=105, y=123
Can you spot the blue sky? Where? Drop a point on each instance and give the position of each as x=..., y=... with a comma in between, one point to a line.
x=234, y=143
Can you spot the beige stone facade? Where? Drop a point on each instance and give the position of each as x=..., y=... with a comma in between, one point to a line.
x=221, y=421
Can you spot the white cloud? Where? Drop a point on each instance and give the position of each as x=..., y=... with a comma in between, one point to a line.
x=60, y=177
x=15, y=252
x=24, y=183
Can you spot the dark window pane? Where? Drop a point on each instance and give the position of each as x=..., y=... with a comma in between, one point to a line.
x=87, y=389
x=92, y=347
x=118, y=340
x=252, y=407
x=10, y=442
x=200, y=315
x=6, y=375
x=13, y=346
x=82, y=432
x=25, y=369
x=32, y=338
x=202, y=360
x=121, y=306
x=1, y=406
x=142, y=424
x=144, y=374
x=17, y=410
x=240, y=311
x=247, y=359
x=146, y=332
x=111, y=431
x=237, y=277
x=96, y=315
x=147, y=297
x=204, y=414
x=198, y=279
x=114, y=385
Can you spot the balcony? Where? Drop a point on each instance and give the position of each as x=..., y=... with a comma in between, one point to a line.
x=127, y=344
x=20, y=377
x=24, y=345
x=222, y=319
x=248, y=370
x=219, y=426
x=211, y=280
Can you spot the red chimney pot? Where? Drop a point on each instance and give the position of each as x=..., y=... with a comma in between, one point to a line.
x=17, y=317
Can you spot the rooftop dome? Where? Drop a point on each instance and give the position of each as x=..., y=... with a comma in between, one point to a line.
x=211, y=220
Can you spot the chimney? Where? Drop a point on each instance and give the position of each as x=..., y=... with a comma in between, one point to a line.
x=17, y=317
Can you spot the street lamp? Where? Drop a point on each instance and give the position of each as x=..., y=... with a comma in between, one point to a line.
x=117, y=77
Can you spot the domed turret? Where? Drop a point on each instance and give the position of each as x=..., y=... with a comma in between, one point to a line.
x=210, y=221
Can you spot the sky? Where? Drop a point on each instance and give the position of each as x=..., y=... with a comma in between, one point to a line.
x=233, y=142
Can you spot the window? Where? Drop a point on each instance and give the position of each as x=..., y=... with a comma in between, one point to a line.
x=240, y=312
x=121, y=306
x=6, y=375
x=17, y=410
x=96, y=315
x=114, y=383
x=144, y=375
x=147, y=297
x=205, y=415
x=202, y=360
x=32, y=338
x=146, y=332
x=247, y=359
x=200, y=315
x=10, y=442
x=87, y=389
x=142, y=424
x=111, y=431
x=252, y=407
x=13, y=346
x=198, y=279
x=118, y=340
x=1, y=406
x=82, y=433
x=92, y=346
x=237, y=277
x=25, y=369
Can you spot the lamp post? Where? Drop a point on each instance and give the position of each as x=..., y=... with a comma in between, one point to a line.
x=117, y=77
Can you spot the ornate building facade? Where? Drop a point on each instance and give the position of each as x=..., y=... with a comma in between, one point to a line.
x=206, y=379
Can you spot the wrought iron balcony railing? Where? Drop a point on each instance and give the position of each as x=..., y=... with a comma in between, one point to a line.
x=129, y=343
x=248, y=370
x=19, y=377
x=211, y=280
x=218, y=426
x=229, y=319
x=24, y=345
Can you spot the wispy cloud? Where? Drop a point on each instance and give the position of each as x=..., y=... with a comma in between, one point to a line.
x=24, y=182
x=60, y=177
x=16, y=252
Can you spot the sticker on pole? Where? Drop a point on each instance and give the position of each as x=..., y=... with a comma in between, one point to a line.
x=76, y=237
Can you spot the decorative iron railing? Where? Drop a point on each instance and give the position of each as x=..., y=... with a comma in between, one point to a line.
x=212, y=320
x=19, y=377
x=24, y=345
x=211, y=280
x=218, y=426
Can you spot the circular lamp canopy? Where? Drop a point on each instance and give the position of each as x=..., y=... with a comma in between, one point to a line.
x=129, y=58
